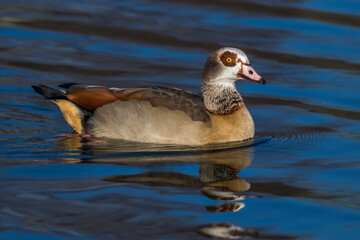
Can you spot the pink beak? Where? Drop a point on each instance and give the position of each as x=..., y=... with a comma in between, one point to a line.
x=249, y=73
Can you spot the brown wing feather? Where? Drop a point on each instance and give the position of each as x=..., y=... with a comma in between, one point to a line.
x=195, y=98
x=92, y=97
x=174, y=99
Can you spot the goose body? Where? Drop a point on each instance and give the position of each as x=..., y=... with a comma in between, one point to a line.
x=165, y=115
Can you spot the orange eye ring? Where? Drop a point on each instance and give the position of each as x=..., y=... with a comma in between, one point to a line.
x=229, y=60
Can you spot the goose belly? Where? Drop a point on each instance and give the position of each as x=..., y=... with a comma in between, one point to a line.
x=139, y=121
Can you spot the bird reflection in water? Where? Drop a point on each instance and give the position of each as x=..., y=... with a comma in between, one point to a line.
x=218, y=176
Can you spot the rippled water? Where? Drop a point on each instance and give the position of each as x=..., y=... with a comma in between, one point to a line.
x=298, y=179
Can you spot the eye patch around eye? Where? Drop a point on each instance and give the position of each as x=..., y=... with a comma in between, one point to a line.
x=228, y=59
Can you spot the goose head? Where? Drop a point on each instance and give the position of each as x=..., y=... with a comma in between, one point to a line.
x=227, y=65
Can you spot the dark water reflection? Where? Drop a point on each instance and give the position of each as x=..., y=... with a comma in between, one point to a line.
x=298, y=179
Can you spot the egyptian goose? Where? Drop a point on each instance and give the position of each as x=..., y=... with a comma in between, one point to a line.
x=161, y=114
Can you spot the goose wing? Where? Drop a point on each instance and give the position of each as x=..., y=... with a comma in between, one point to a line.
x=93, y=97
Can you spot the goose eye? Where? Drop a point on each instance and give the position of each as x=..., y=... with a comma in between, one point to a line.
x=228, y=59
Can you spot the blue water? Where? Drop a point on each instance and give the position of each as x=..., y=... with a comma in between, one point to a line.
x=298, y=180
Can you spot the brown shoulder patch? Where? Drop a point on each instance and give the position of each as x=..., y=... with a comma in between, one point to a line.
x=228, y=59
x=90, y=97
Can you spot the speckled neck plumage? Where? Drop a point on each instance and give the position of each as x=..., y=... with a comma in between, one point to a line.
x=220, y=99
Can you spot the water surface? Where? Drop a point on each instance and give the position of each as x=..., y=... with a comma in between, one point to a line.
x=298, y=179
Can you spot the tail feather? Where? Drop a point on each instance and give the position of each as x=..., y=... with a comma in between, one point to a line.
x=49, y=93
x=74, y=115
